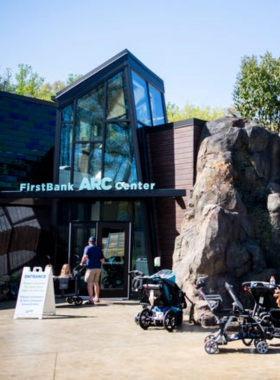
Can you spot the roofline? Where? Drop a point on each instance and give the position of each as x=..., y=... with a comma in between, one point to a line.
x=107, y=63
x=24, y=98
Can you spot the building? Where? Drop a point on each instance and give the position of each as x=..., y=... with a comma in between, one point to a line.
x=120, y=173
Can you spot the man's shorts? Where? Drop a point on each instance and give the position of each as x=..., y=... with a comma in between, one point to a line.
x=92, y=275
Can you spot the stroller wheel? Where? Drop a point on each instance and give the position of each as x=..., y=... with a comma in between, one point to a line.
x=210, y=346
x=144, y=319
x=78, y=301
x=169, y=320
x=262, y=347
x=69, y=299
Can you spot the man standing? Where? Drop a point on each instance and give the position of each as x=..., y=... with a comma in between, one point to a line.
x=93, y=258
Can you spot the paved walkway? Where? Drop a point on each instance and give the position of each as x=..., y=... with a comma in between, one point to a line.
x=103, y=342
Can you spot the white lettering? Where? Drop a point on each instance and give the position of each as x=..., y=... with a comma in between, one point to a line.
x=105, y=183
x=85, y=185
x=22, y=187
x=95, y=184
x=70, y=187
x=88, y=184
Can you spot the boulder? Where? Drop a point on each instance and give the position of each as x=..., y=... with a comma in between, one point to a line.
x=231, y=229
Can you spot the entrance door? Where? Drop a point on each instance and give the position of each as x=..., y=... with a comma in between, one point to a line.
x=113, y=238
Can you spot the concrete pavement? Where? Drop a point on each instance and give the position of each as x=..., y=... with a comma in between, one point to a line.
x=103, y=342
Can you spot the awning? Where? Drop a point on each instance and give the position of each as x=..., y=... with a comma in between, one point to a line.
x=96, y=194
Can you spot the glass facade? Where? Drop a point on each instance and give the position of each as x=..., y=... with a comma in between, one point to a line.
x=141, y=99
x=100, y=118
x=102, y=143
x=119, y=158
x=148, y=102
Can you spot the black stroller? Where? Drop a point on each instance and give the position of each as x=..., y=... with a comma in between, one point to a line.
x=163, y=301
x=235, y=323
x=76, y=298
x=265, y=306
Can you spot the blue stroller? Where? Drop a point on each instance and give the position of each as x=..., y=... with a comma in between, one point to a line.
x=163, y=301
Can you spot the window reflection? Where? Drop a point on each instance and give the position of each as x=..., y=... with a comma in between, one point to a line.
x=116, y=101
x=117, y=210
x=156, y=105
x=119, y=163
x=87, y=161
x=141, y=99
x=89, y=115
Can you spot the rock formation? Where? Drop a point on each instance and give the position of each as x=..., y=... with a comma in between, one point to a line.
x=231, y=230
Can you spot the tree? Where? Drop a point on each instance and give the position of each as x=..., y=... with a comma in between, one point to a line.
x=174, y=113
x=29, y=83
x=257, y=90
x=6, y=83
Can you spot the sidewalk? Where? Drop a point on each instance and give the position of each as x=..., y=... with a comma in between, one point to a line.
x=103, y=342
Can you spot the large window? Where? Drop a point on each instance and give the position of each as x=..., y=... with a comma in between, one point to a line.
x=100, y=148
x=116, y=98
x=141, y=99
x=90, y=115
x=156, y=105
x=148, y=102
x=87, y=161
x=96, y=130
x=119, y=160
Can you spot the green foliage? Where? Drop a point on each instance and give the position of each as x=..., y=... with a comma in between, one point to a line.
x=6, y=81
x=257, y=90
x=72, y=78
x=29, y=83
x=174, y=113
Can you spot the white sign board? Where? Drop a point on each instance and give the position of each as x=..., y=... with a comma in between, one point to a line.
x=36, y=294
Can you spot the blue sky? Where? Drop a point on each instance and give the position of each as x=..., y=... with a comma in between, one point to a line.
x=195, y=46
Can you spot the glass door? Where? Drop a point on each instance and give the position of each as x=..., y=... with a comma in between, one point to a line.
x=79, y=235
x=114, y=240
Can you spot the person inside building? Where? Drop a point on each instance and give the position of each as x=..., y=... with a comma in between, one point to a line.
x=93, y=259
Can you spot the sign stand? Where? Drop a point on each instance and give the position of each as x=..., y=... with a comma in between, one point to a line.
x=36, y=294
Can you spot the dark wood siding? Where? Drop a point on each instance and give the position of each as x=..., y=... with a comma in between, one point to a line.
x=172, y=152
